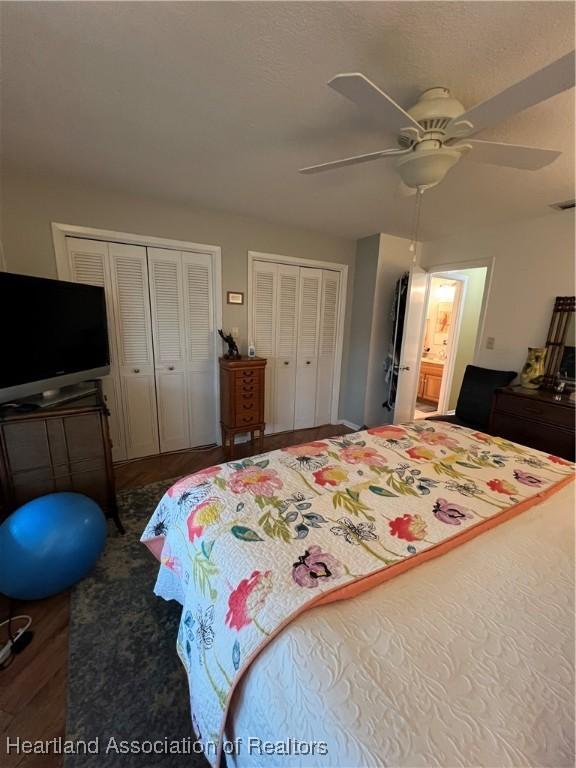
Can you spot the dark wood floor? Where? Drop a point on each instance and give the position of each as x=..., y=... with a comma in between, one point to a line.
x=33, y=688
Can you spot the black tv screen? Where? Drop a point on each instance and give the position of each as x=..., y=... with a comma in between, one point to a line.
x=53, y=333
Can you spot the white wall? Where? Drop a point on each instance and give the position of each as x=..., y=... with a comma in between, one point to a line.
x=468, y=328
x=31, y=203
x=534, y=263
x=380, y=261
x=394, y=258
x=365, y=273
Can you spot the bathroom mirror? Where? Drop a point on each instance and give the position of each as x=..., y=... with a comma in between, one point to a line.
x=561, y=344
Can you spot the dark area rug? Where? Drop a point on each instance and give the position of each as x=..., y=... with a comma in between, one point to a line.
x=125, y=680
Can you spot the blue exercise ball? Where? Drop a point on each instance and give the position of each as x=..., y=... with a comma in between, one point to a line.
x=49, y=544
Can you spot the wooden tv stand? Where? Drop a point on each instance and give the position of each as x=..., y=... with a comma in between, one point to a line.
x=63, y=447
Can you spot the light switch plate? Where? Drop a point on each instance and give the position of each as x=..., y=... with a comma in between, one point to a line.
x=490, y=342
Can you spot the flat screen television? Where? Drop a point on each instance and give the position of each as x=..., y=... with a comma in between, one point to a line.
x=53, y=334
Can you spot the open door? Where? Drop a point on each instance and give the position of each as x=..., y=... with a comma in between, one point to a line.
x=409, y=366
x=453, y=337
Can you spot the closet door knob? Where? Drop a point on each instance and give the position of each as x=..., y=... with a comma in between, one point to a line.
x=136, y=370
x=170, y=367
x=286, y=362
x=307, y=362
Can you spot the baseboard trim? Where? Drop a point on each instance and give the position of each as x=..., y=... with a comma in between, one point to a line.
x=349, y=424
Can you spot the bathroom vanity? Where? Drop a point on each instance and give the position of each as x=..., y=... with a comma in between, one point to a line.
x=430, y=380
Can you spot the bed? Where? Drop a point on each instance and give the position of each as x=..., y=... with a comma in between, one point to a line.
x=466, y=658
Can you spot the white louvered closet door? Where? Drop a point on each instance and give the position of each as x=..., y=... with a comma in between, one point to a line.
x=327, y=346
x=200, y=346
x=286, y=346
x=307, y=360
x=88, y=263
x=167, y=307
x=264, y=287
x=129, y=277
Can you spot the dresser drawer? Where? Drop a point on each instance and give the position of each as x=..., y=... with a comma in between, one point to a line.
x=246, y=418
x=243, y=397
x=247, y=387
x=250, y=373
x=558, y=441
x=536, y=410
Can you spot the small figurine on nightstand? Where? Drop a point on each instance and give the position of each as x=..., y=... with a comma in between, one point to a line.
x=233, y=352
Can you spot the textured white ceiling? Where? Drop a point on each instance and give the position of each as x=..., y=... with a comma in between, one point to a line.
x=219, y=103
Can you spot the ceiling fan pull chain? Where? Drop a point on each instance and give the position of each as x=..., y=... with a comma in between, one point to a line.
x=416, y=224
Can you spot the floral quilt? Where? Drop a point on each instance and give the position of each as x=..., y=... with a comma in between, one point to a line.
x=248, y=545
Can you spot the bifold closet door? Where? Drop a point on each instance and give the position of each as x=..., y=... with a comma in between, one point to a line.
x=199, y=345
x=274, y=328
x=285, y=358
x=310, y=287
x=181, y=291
x=294, y=325
x=264, y=287
x=166, y=303
x=327, y=346
x=88, y=263
x=129, y=276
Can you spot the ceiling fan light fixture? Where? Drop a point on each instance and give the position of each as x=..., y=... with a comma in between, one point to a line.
x=427, y=167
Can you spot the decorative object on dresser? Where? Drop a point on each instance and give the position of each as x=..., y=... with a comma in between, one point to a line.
x=241, y=399
x=536, y=418
x=64, y=447
x=560, y=344
x=532, y=373
x=233, y=351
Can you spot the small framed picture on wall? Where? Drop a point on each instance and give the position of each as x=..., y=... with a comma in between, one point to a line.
x=234, y=297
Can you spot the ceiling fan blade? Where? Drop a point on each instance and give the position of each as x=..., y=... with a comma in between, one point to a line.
x=352, y=160
x=541, y=85
x=358, y=89
x=511, y=155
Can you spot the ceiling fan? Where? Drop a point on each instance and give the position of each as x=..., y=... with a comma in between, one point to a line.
x=431, y=132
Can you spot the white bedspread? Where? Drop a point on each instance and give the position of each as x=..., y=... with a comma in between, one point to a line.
x=467, y=660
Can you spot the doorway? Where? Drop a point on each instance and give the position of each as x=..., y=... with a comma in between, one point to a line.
x=450, y=333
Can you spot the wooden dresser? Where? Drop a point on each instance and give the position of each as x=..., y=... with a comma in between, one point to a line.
x=534, y=418
x=241, y=399
x=58, y=448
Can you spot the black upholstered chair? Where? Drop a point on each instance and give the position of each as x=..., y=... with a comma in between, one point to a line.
x=475, y=398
